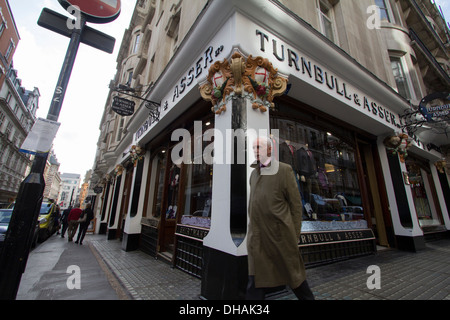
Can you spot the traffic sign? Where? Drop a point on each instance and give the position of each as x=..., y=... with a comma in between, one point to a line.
x=97, y=11
x=56, y=22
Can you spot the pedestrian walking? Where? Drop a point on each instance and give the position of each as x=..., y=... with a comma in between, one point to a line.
x=85, y=220
x=72, y=219
x=57, y=219
x=64, y=221
x=275, y=213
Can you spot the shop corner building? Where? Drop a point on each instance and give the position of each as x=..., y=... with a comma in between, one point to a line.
x=341, y=95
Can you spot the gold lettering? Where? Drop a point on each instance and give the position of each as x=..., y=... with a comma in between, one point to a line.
x=303, y=238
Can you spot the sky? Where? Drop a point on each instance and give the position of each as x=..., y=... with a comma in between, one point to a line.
x=39, y=58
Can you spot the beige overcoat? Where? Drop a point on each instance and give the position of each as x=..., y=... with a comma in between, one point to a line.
x=275, y=213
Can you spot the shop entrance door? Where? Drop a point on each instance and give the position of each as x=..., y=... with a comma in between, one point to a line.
x=171, y=208
x=375, y=210
x=125, y=201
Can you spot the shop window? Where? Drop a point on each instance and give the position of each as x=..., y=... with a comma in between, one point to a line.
x=182, y=191
x=159, y=163
x=137, y=188
x=326, y=175
x=197, y=187
x=419, y=179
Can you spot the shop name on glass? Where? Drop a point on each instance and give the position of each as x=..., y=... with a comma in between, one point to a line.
x=324, y=237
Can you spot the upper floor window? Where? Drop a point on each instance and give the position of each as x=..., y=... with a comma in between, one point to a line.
x=137, y=42
x=400, y=77
x=325, y=10
x=10, y=49
x=384, y=10
x=2, y=26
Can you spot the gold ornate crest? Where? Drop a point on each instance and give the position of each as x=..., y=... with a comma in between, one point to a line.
x=252, y=78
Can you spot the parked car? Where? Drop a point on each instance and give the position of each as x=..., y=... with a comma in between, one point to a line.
x=5, y=218
x=47, y=217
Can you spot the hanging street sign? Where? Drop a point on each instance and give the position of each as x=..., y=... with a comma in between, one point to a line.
x=123, y=106
x=96, y=11
x=430, y=112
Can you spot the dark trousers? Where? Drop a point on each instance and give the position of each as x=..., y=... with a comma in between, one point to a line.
x=82, y=232
x=303, y=292
x=64, y=228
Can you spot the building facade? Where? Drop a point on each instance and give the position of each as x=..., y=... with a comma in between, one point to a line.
x=353, y=95
x=70, y=190
x=9, y=39
x=18, y=108
x=52, y=178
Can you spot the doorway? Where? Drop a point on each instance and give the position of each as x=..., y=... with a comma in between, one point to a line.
x=125, y=202
x=376, y=206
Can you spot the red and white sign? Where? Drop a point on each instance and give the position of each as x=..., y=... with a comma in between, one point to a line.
x=99, y=11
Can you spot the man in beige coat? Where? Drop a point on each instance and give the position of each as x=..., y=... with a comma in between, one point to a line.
x=275, y=212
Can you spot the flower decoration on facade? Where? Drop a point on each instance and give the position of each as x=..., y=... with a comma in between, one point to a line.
x=398, y=144
x=253, y=78
x=137, y=154
x=440, y=166
x=118, y=170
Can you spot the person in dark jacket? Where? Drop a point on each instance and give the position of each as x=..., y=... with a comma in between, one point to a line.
x=85, y=219
x=275, y=213
x=64, y=221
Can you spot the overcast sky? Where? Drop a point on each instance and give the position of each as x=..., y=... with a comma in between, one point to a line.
x=38, y=59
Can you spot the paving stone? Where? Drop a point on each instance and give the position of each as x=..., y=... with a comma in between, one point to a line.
x=424, y=275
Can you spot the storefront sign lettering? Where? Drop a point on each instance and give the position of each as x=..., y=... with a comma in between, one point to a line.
x=306, y=68
x=312, y=238
x=183, y=86
x=191, y=232
x=195, y=71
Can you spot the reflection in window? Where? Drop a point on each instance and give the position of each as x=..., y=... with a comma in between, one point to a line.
x=400, y=77
x=197, y=190
x=417, y=178
x=160, y=161
x=326, y=175
x=384, y=11
x=326, y=22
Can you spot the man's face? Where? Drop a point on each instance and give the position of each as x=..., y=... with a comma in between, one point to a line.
x=262, y=149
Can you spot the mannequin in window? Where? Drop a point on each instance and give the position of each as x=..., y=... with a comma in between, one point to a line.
x=174, y=180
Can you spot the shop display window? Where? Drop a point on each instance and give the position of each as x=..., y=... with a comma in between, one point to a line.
x=181, y=192
x=159, y=163
x=197, y=186
x=326, y=175
x=419, y=180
